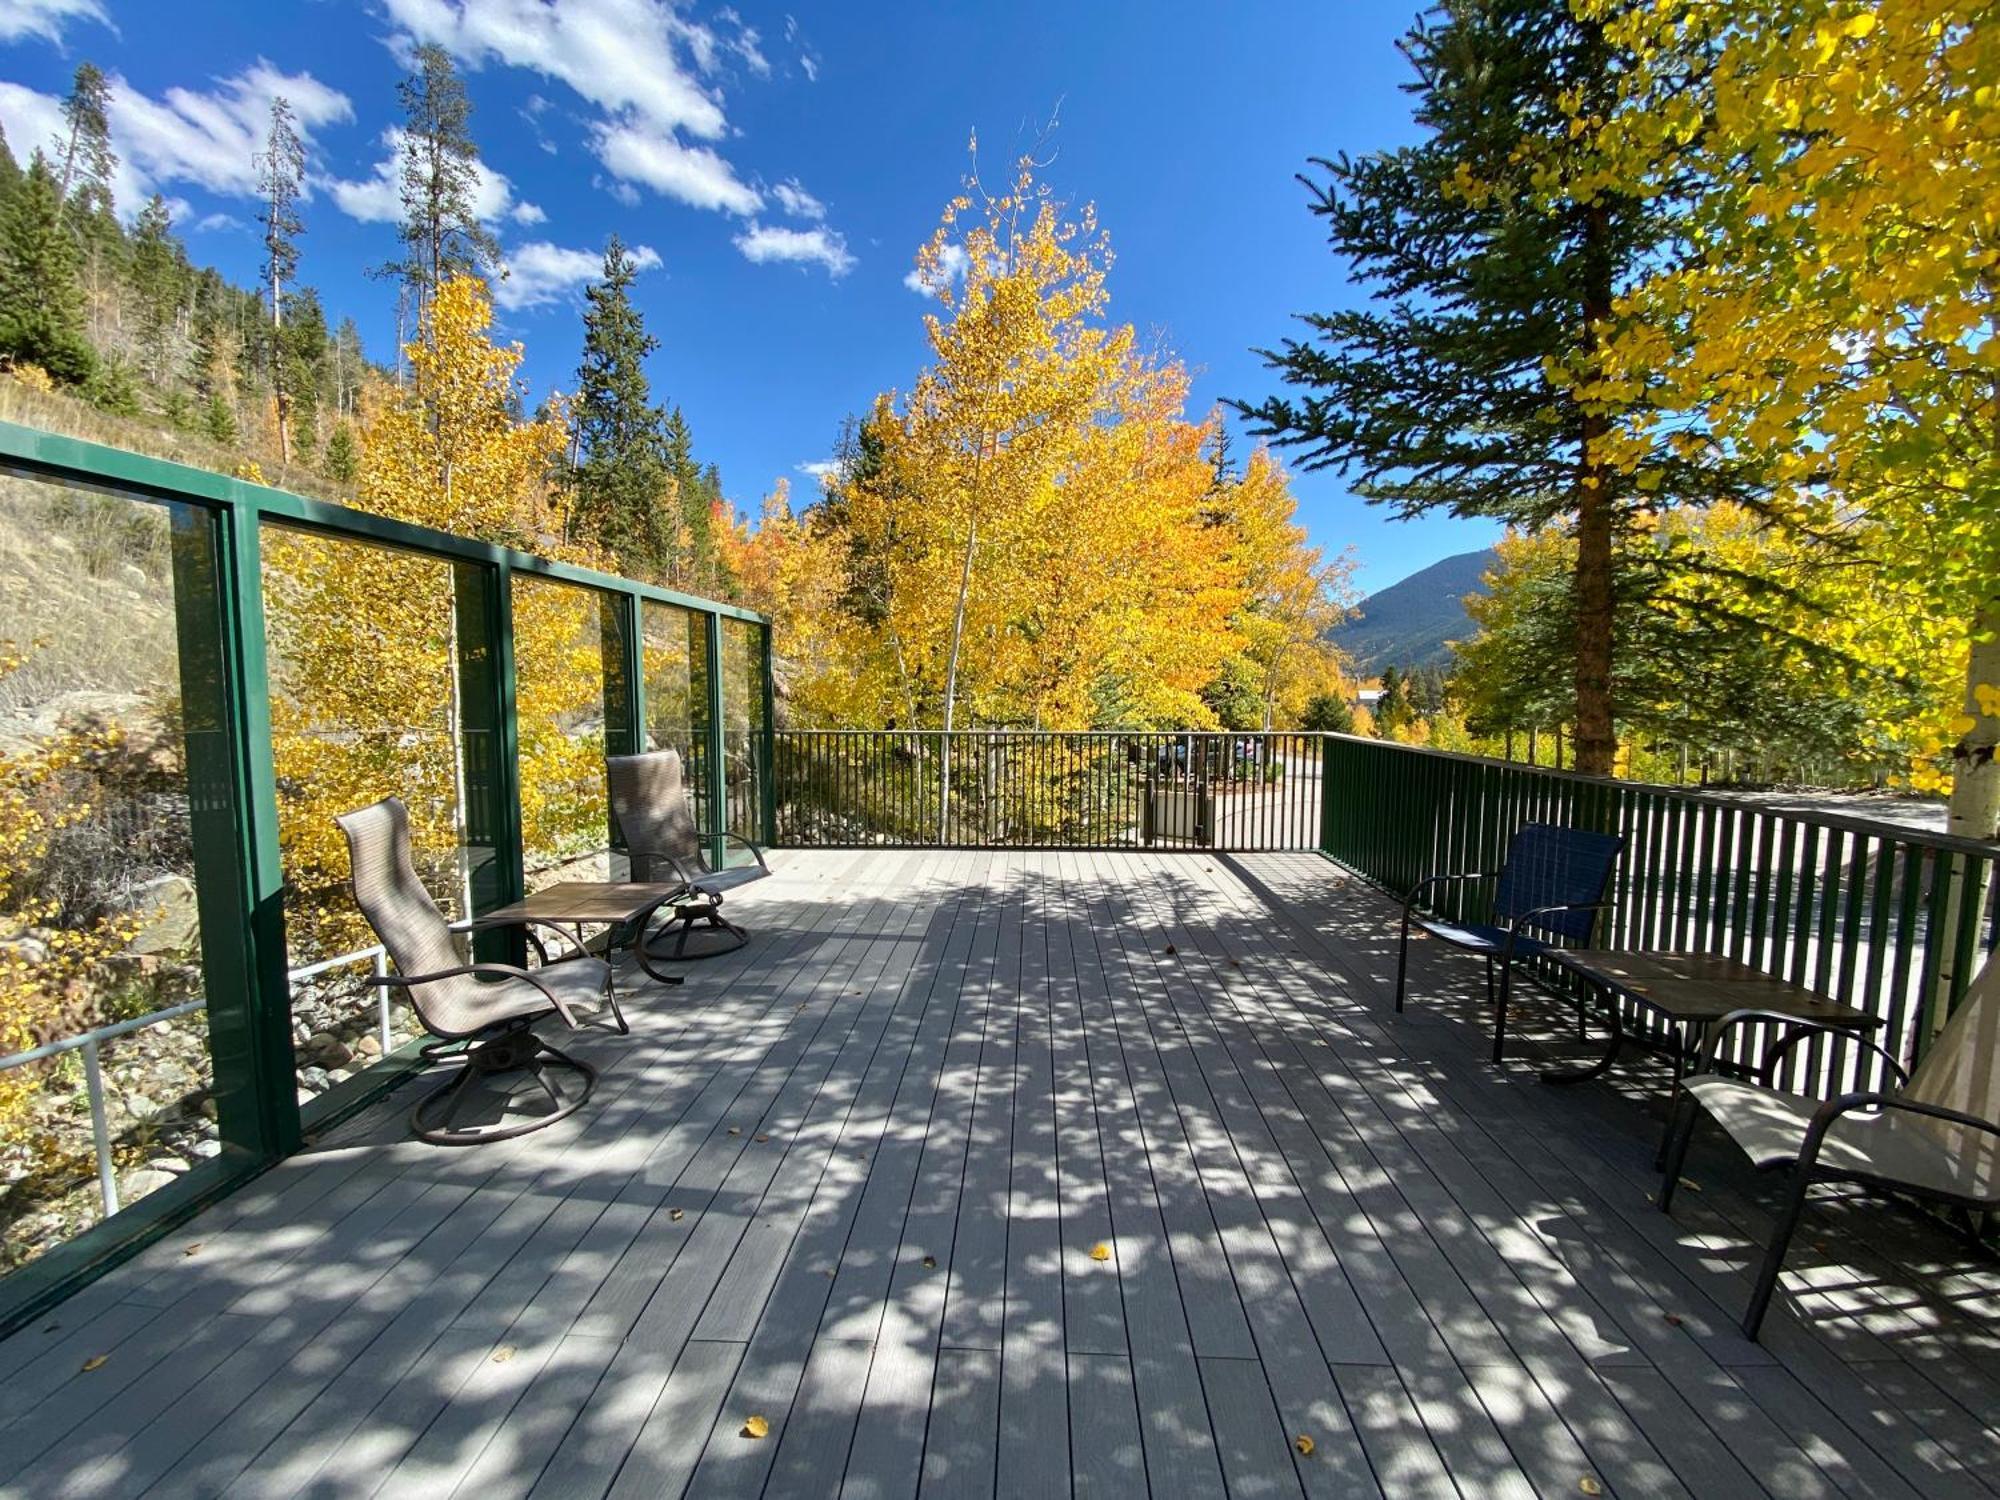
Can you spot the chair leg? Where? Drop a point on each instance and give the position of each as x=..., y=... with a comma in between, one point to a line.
x=1500, y=1011
x=1774, y=1256
x=1674, y=1148
x=1403, y=966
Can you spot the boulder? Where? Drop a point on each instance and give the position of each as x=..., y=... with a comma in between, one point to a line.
x=170, y=920
x=135, y=1185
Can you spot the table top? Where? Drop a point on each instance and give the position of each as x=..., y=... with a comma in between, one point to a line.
x=1705, y=986
x=584, y=901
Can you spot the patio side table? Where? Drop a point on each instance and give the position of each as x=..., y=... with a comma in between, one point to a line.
x=570, y=906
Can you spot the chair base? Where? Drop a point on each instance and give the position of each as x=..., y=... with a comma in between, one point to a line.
x=514, y=1050
x=717, y=936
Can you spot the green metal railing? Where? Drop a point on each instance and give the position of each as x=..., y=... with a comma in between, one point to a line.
x=1896, y=922
x=1047, y=790
x=223, y=716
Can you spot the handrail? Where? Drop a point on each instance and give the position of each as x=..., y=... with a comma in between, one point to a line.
x=90, y=1043
x=1847, y=822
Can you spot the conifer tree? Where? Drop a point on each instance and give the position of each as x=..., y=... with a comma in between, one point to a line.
x=440, y=232
x=84, y=156
x=1493, y=249
x=342, y=459
x=41, y=295
x=155, y=273
x=218, y=421
x=281, y=180
x=619, y=480
x=10, y=171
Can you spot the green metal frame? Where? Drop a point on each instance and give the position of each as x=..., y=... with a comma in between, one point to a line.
x=217, y=527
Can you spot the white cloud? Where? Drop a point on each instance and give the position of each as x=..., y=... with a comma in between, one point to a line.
x=820, y=468
x=528, y=213
x=46, y=18
x=539, y=273
x=213, y=138
x=950, y=271
x=693, y=174
x=809, y=65
x=211, y=223
x=796, y=201
x=377, y=198
x=619, y=54
x=208, y=138
x=766, y=243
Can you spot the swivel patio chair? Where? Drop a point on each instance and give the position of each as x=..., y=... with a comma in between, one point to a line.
x=1936, y=1136
x=480, y=1013
x=650, y=801
x=1547, y=894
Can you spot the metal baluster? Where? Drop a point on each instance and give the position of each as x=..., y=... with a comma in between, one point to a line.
x=100, y=1129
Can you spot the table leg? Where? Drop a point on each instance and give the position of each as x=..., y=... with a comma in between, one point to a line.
x=1613, y=1042
x=638, y=947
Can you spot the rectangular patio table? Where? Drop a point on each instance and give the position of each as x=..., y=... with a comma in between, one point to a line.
x=1692, y=991
x=570, y=906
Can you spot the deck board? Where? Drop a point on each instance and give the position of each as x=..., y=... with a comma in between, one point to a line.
x=850, y=1180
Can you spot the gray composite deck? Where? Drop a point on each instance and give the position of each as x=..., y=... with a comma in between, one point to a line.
x=850, y=1179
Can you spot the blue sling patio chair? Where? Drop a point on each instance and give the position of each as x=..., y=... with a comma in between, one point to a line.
x=1547, y=894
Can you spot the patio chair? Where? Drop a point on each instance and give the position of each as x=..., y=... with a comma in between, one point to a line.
x=481, y=1013
x=1548, y=893
x=649, y=799
x=1936, y=1136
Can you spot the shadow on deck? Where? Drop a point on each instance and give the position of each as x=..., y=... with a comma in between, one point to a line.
x=856, y=1180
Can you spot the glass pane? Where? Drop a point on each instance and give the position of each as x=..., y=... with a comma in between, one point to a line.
x=560, y=635
x=361, y=642
x=99, y=919
x=675, y=645
x=743, y=728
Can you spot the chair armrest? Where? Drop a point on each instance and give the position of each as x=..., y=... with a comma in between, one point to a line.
x=1410, y=901
x=1803, y=1027
x=735, y=838
x=1830, y=1112
x=1524, y=918
x=497, y=971
x=1802, y=1024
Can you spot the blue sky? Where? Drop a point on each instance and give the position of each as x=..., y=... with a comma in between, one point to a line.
x=780, y=165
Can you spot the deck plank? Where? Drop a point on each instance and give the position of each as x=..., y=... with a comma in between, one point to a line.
x=1321, y=1219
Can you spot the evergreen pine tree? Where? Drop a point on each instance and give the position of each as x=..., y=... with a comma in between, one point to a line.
x=441, y=232
x=1393, y=710
x=342, y=459
x=10, y=171
x=301, y=357
x=84, y=156
x=281, y=180
x=41, y=295
x=218, y=421
x=620, y=477
x=1488, y=270
x=154, y=271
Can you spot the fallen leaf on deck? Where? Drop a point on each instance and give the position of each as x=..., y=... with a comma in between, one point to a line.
x=1304, y=1444
x=504, y=1353
x=1674, y=1318
x=1100, y=1251
x=1172, y=949
x=757, y=1427
x=676, y=1214
x=735, y=1130
x=1589, y=1486
x=192, y=1248
x=930, y=1262
x=762, y=1138
x=94, y=1361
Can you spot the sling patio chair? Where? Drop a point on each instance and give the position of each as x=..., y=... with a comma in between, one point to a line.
x=650, y=801
x=1935, y=1137
x=480, y=1013
x=1547, y=894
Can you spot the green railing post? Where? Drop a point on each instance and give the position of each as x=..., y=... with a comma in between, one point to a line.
x=624, y=706
x=489, y=746
x=768, y=748
x=718, y=782
x=233, y=818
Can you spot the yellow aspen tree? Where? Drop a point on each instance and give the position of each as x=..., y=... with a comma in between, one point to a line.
x=1835, y=311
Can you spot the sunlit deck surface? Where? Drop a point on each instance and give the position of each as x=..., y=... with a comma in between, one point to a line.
x=851, y=1179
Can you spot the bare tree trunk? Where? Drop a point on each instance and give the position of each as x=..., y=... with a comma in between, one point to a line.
x=951, y=674
x=1974, y=809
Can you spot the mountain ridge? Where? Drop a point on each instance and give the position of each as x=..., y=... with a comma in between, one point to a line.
x=1412, y=622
